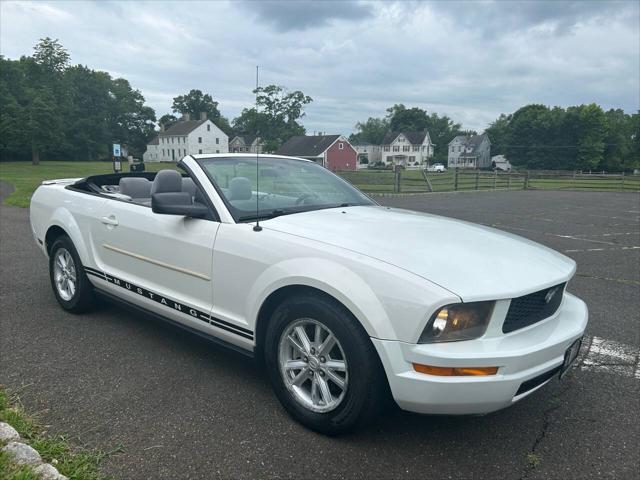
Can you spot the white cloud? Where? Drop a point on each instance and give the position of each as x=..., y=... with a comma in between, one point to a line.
x=471, y=61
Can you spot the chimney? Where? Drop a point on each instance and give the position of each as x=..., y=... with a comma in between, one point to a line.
x=203, y=115
x=185, y=117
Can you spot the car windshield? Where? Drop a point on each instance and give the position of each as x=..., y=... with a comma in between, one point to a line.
x=285, y=186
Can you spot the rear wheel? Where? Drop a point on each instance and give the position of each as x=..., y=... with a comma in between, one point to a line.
x=70, y=285
x=322, y=365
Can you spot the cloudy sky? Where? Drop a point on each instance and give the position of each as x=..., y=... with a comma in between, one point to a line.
x=469, y=60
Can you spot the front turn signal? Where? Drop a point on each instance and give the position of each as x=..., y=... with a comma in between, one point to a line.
x=455, y=371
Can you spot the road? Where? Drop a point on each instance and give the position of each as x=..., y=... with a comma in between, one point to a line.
x=184, y=408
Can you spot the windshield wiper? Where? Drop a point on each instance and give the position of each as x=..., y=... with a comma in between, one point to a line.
x=272, y=214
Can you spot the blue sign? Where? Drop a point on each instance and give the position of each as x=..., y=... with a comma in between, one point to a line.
x=116, y=150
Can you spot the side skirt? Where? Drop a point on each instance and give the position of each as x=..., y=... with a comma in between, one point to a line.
x=210, y=338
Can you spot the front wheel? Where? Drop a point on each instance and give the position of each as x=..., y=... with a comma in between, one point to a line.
x=70, y=285
x=322, y=365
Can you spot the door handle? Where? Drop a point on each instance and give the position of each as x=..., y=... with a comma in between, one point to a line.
x=110, y=220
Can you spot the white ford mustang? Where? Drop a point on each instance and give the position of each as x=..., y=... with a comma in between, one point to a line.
x=343, y=299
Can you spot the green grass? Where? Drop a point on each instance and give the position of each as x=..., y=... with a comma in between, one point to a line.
x=74, y=462
x=26, y=177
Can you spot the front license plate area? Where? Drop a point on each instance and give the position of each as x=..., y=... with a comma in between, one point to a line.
x=570, y=356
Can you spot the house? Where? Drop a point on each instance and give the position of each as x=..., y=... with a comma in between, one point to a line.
x=409, y=149
x=246, y=143
x=368, y=154
x=500, y=162
x=470, y=151
x=187, y=137
x=331, y=151
x=152, y=153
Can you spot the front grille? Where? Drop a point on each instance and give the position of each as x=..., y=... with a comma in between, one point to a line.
x=532, y=308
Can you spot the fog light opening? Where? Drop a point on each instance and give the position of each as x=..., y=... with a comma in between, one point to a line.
x=455, y=371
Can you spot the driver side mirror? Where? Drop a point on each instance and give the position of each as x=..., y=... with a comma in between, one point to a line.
x=177, y=203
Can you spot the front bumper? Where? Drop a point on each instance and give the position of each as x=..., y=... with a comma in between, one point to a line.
x=522, y=355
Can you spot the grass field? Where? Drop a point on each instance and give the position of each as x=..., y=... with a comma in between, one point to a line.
x=25, y=178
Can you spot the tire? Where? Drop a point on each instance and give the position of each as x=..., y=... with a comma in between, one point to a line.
x=79, y=299
x=365, y=389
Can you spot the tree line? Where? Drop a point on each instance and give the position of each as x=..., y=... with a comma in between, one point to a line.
x=50, y=108
x=53, y=110
x=582, y=137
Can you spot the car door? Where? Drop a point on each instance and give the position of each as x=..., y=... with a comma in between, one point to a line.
x=162, y=262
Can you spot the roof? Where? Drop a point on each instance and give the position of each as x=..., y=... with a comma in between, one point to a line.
x=470, y=141
x=182, y=127
x=415, y=138
x=247, y=139
x=154, y=141
x=306, y=145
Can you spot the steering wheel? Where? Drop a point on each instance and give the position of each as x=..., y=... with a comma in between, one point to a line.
x=301, y=199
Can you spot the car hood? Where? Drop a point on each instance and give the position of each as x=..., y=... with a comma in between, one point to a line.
x=473, y=261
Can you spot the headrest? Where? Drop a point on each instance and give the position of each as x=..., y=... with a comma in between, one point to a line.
x=240, y=188
x=167, y=181
x=188, y=185
x=135, y=187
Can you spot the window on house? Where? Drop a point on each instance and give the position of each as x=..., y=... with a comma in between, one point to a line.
x=208, y=128
x=199, y=139
x=200, y=151
x=217, y=151
x=406, y=148
x=386, y=148
x=341, y=146
x=396, y=148
x=173, y=139
x=412, y=159
x=163, y=152
x=217, y=141
x=416, y=149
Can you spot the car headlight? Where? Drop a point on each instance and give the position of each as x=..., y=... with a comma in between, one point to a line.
x=459, y=321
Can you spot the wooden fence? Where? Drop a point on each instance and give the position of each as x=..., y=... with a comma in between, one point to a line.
x=420, y=181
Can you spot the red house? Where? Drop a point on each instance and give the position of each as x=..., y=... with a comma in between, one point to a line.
x=331, y=151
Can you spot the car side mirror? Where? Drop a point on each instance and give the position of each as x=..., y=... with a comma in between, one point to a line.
x=177, y=203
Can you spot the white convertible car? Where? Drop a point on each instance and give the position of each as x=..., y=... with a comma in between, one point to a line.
x=343, y=299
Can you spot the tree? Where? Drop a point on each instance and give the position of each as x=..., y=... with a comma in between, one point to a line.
x=277, y=116
x=42, y=126
x=372, y=131
x=52, y=56
x=167, y=120
x=195, y=102
x=403, y=119
x=618, y=141
x=129, y=121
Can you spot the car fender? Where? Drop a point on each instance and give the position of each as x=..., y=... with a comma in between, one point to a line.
x=62, y=218
x=331, y=278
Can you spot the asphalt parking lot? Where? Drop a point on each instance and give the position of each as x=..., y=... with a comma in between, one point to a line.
x=184, y=408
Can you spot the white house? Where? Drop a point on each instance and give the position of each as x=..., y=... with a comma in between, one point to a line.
x=152, y=154
x=246, y=143
x=187, y=137
x=369, y=152
x=409, y=149
x=470, y=151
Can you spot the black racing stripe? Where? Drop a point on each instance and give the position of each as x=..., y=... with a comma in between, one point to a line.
x=170, y=303
x=95, y=274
